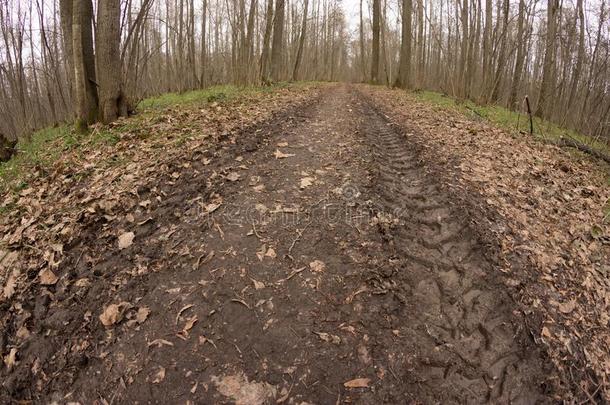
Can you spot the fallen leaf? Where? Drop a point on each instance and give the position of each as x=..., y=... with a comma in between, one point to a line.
x=327, y=337
x=11, y=283
x=306, y=182
x=142, y=314
x=160, y=342
x=357, y=383
x=317, y=266
x=10, y=359
x=281, y=155
x=47, y=277
x=159, y=375
x=233, y=176
x=113, y=313
x=190, y=322
x=126, y=240
x=184, y=308
x=271, y=253
x=212, y=207
x=567, y=307
x=258, y=285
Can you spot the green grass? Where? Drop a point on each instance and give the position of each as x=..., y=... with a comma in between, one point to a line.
x=507, y=119
x=216, y=93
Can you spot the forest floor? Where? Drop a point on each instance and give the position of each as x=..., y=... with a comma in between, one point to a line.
x=313, y=244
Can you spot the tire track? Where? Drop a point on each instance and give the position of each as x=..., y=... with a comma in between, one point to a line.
x=470, y=347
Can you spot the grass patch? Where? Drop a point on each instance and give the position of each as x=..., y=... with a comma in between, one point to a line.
x=507, y=119
x=195, y=97
x=40, y=149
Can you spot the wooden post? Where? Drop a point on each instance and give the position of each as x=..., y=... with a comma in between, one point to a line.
x=529, y=113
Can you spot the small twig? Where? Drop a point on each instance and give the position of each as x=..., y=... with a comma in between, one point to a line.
x=299, y=235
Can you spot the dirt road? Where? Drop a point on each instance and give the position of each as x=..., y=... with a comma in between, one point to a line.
x=316, y=260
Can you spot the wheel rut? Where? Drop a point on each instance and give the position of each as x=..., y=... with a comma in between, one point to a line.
x=313, y=258
x=470, y=346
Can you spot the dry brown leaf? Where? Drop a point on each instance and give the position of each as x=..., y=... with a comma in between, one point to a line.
x=11, y=358
x=258, y=285
x=567, y=307
x=160, y=342
x=306, y=182
x=233, y=176
x=317, y=266
x=184, y=308
x=190, y=322
x=47, y=277
x=271, y=253
x=159, y=375
x=126, y=240
x=142, y=314
x=209, y=208
x=281, y=155
x=113, y=313
x=11, y=283
x=357, y=383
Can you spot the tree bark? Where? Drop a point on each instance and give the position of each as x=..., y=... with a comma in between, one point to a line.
x=84, y=65
x=375, y=56
x=278, y=40
x=546, y=87
x=403, y=79
x=112, y=101
x=299, y=56
x=512, y=101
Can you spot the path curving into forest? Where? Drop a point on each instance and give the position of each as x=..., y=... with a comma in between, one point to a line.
x=318, y=259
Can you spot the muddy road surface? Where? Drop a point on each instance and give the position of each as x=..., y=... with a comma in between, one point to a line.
x=318, y=259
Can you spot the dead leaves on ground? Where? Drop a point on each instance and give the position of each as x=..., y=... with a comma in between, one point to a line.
x=550, y=213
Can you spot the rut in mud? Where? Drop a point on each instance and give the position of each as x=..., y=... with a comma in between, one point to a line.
x=317, y=259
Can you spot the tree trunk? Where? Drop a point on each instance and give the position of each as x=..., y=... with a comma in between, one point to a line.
x=297, y=61
x=497, y=82
x=112, y=101
x=581, y=54
x=362, y=49
x=266, y=40
x=512, y=101
x=546, y=87
x=404, y=67
x=84, y=65
x=376, y=23
x=278, y=41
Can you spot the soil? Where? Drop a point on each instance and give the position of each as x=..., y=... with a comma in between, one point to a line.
x=314, y=258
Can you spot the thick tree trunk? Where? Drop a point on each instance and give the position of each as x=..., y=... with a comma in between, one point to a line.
x=404, y=67
x=278, y=41
x=375, y=56
x=84, y=65
x=112, y=101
